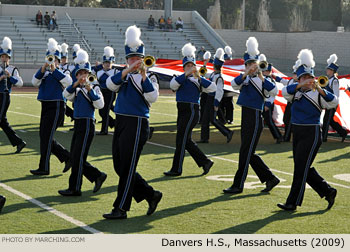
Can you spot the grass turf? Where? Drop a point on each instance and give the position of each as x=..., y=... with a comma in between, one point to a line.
x=191, y=203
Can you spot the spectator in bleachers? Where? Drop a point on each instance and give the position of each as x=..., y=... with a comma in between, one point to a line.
x=200, y=53
x=39, y=18
x=47, y=19
x=169, y=24
x=179, y=24
x=161, y=22
x=151, y=22
x=53, y=20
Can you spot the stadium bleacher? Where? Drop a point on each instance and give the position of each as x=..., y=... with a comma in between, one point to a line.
x=30, y=40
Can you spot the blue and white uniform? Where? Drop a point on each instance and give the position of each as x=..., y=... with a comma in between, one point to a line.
x=51, y=85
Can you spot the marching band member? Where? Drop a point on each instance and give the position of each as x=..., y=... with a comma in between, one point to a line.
x=64, y=67
x=269, y=103
x=254, y=88
x=333, y=87
x=287, y=113
x=226, y=104
x=108, y=95
x=308, y=100
x=51, y=82
x=188, y=87
x=9, y=75
x=213, y=100
x=86, y=98
x=136, y=93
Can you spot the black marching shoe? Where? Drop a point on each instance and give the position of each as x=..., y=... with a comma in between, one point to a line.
x=271, y=184
x=67, y=166
x=153, y=202
x=39, y=172
x=172, y=173
x=203, y=141
x=343, y=138
x=331, y=197
x=99, y=181
x=101, y=133
x=20, y=147
x=287, y=207
x=69, y=192
x=229, y=136
x=115, y=214
x=2, y=202
x=279, y=140
x=207, y=166
x=233, y=190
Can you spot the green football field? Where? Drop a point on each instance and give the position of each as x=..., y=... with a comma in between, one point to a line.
x=191, y=203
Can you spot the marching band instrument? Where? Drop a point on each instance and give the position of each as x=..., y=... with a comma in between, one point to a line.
x=3, y=66
x=322, y=82
x=203, y=71
x=50, y=59
x=262, y=65
x=149, y=61
x=91, y=79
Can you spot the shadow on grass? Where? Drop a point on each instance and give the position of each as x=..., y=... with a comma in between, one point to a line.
x=255, y=225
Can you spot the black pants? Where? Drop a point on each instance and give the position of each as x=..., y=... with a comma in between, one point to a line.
x=328, y=120
x=202, y=102
x=209, y=116
x=84, y=131
x=52, y=113
x=287, y=122
x=270, y=123
x=306, y=142
x=107, y=120
x=69, y=112
x=251, y=128
x=187, y=118
x=130, y=135
x=4, y=124
x=226, y=106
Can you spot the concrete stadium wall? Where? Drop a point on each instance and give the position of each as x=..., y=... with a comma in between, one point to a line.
x=286, y=46
x=92, y=13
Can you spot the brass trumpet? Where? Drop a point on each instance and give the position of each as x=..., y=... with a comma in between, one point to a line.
x=263, y=65
x=50, y=59
x=91, y=79
x=203, y=71
x=322, y=82
x=149, y=61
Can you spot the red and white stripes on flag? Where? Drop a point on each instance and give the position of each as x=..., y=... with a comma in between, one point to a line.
x=166, y=69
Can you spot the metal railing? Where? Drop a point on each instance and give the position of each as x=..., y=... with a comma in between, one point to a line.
x=80, y=37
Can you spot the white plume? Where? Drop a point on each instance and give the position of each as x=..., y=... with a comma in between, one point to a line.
x=82, y=57
x=262, y=57
x=6, y=44
x=132, y=37
x=108, y=51
x=306, y=58
x=332, y=59
x=59, y=48
x=219, y=54
x=228, y=50
x=206, y=55
x=188, y=50
x=52, y=45
x=296, y=65
x=252, y=46
x=64, y=47
x=76, y=47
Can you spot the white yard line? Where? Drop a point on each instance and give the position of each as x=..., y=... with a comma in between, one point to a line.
x=51, y=210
